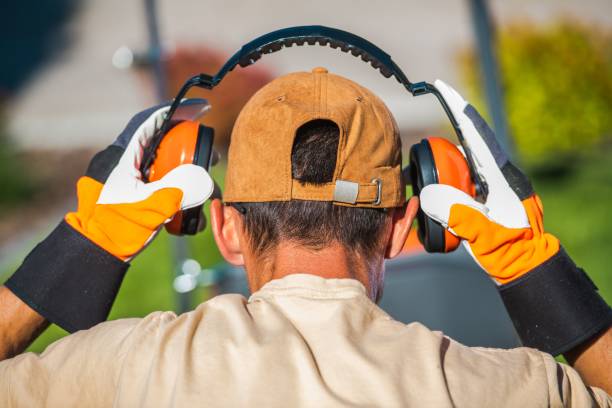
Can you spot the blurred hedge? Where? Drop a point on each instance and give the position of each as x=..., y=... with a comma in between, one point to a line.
x=557, y=81
x=16, y=185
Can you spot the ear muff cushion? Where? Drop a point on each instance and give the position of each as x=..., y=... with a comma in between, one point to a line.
x=422, y=173
x=452, y=169
x=204, y=146
x=192, y=219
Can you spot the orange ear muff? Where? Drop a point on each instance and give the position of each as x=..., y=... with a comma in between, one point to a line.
x=438, y=161
x=453, y=170
x=179, y=146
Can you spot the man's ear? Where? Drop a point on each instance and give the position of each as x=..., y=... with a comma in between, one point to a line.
x=403, y=218
x=226, y=227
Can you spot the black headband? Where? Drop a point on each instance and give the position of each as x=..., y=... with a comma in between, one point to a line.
x=309, y=35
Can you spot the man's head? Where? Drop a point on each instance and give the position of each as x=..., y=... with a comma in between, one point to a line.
x=314, y=183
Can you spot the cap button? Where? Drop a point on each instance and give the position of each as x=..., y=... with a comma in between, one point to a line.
x=319, y=70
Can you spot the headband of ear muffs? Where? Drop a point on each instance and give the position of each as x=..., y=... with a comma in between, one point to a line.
x=434, y=160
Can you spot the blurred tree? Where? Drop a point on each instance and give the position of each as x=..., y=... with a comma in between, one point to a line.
x=557, y=81
x=226, y=99
x=32, y=32
x=16, y=185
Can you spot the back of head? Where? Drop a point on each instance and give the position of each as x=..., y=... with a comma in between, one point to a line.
x=315, y=224
x=315, y=159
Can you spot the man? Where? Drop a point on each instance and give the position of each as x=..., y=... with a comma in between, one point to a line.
x=314, y=203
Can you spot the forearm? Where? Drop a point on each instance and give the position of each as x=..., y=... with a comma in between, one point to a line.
x=19, y=324
x=557, y=309
x=593, y=360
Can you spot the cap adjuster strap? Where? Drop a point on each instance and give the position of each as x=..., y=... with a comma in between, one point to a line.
x=346, y=192
x=350, y=192
x=378, y=183
x=340, y=191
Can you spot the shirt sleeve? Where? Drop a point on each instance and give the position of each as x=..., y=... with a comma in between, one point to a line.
x=81, y=369
x=520, y=377
x=567, y=388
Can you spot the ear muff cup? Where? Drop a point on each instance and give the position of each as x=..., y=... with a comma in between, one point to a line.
x=437, y=161
x=188, y=142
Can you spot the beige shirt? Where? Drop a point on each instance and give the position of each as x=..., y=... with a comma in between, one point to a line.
x=301, y=341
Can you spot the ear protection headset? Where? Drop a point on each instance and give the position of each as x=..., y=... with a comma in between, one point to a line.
x=433, y=160
x=187, y=142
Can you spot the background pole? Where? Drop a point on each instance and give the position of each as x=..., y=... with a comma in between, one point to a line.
x=180, y=248
x=485, y=35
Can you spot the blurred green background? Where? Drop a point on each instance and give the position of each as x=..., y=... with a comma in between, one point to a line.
x=557, y=80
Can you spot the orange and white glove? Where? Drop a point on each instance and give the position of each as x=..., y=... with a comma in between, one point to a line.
x=73, y=276
x=553, y=303
x=505, y=235
x=117, y=210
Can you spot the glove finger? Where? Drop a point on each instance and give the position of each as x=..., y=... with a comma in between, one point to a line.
x=189, y=109
x=478, y=135
x=437, y=201
x=462, y=216
x=465, y=217
x=140, y=137
x=195, y=183
x=125, y=229
x=151, y=212
x=88, y=191
x=137, y=120
x=105, y=161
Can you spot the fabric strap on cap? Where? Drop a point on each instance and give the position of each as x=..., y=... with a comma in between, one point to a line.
x=556, y=306
x=69, y=280
x=340, y=191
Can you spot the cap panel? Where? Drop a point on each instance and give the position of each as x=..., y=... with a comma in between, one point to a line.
x=259, y=157
x=259, y=163
x=373, y=148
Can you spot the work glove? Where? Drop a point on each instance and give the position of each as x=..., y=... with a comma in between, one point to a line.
x=73, y=276
x=117, y=210
x=552, y=302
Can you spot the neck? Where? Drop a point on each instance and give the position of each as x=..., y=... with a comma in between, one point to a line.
x=330, y=262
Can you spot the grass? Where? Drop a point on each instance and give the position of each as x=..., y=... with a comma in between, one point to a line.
x=577, y=211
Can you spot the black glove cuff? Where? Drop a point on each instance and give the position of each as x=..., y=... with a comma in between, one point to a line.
x=69, y=280
x=556, y=306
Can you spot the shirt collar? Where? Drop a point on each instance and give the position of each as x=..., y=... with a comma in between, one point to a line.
x=311, y=286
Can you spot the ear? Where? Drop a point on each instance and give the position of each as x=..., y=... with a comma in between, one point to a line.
x=403, y=218
x=226, y=228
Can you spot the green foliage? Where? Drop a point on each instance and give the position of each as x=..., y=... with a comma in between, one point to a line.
x=558, y=88
x=15, y=184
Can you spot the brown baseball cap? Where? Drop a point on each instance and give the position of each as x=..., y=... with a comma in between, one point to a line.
x=368, y=166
